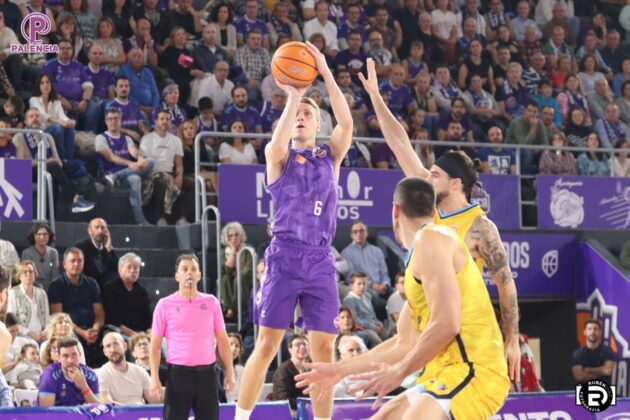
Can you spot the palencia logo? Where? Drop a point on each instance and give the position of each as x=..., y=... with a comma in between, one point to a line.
x=595, y=395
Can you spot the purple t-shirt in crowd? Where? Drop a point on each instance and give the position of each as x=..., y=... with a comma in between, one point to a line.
x=102, y=80
x=399, y=98
x=445, y=119
x=118, y=146
x=250, y=117
x=345, y=28
x=8, y=151
x=245, y=26
x=130, y=113
x=382, y=153
x=376, y=132
x=69, y=79
x=355, y=63
x=268, y=115
x=53, y=382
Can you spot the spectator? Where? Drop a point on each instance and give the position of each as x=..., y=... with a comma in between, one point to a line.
x=388, y=28
x=501, y=64
x=611, y=53
x=476, y=64
x=590, y=48
x=595, y=360
x=27, y=372
x=11, y=62
x=154, y=12
x=623, y=102
x=325, y=119
x=556, y=47
x=7, y=148
x=511, y=95
x=218, y=87
x=588, y=75
x=543, y=97
x=470, y=10
x=423, y=95
x=50, y=353
x=349, y=346
x=236, y=149
x=13, y=111
x=383, y=57
x=401, y=101
x=68, y=382
x=620, y=161
x=535, y=73
x=59, y=326
x=139, y=348
x=353, y=24
x=6, y=398
x=444, y=90
x=26, y=146
x=144, y=90
x=102, y=79
x=496, y=18
x=177, y=60
x=572, y=96
x=86, y=20
x=609, y=128
x=73, y=85
x=414, y=63
x=240, y=110
x=122, y=382
x=55, y=121
x=223, y=17
x=207, y=53
x=600, y=98
x=184, y=16
x=144, y=40
x=497, y=160
x=106, y=38
x=559, y=19
x=11, y=14
x=426, y=155
x=284, y=386
x=119, y=11
x=167, y=176
x=547, y=117
x=44, y=257
x=396, y=301
x=255, y=61
x=521, y=22
x=272, y=110
x=322, y=25
x=131, y=121
x=68, y=28
x=80, y=297
x=458, y=115
x=12, y=358
x=557, y=162
x=528, y=129
x=29, y=303
x=360, y=303
x=593, y=163
x=171, y=98
x=575, y=130
x=531, y=46
x=236, y=345
x=352, y=58
x=126, y=302
x=445, y=28
x=349, y=327
x=433, y=51
x=120, y=163
x=101, y=260
x=250, y=21
x=469, y=34
x=281, y=24
x=233, y=238
x=504, y=40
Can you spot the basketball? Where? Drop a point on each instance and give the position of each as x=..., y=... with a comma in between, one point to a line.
x=294, y=65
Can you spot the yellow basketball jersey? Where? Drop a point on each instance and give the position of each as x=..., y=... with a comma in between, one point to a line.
x=479, y=340
x=461, y=221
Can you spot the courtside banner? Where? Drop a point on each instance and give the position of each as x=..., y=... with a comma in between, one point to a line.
x=602, y=292
x=583, y=202
x=277, y=410
x=542, y=264
x=364, y=194
x=539, y=406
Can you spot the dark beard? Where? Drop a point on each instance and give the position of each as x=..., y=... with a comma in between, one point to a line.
x=440, y=197
x=116, y=358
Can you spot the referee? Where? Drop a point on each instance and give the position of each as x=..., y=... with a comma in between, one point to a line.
x=190, y=321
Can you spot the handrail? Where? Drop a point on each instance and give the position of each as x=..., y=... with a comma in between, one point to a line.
x=204, y=246
x=239, y=291
x=51, y=200
x=41, y=168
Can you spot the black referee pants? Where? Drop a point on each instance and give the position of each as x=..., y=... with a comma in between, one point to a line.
x=191, y=387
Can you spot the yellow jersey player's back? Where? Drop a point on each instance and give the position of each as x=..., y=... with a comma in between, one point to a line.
x=461, y=221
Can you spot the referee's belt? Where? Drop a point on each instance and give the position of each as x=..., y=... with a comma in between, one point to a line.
x=198, y=368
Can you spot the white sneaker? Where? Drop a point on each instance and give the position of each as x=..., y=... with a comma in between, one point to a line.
x=162, y=222
x=109, y=180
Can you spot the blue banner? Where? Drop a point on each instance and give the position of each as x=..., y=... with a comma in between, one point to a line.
x=364, y=194
x=582, y=202
x=16, y=189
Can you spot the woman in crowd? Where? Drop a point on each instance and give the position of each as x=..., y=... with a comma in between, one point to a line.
x=139, y=348
x=86, y=20
x=572, y=96
x=223, y=17
x=557, y=162
x=29, y=303
x=121, y=16
x=113, y=52
x=575, y=129
x=50, y=353
x=620, y=162
x=60, y=326
x=237, y=149
x=54, y=119
x=177, y=60
x=593, y=163
x=236, y=345
x=476, y=64
x=589, y=74
x=170, y=103
x=68, y=28
x=233, y=239
x=348, y=326
x=44, y=256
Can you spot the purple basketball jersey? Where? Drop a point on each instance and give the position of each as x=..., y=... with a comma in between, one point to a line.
x=305, y=198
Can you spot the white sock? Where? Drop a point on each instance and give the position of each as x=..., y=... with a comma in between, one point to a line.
x=322, y=418
x=242, y=414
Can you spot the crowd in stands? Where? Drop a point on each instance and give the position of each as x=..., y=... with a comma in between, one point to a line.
x=513, y=71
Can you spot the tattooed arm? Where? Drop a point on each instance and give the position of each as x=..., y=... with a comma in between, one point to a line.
x=490, y=247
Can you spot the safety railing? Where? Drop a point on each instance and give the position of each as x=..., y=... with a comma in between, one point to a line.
x=44, y=187
x=204, y=247
x=239, y=287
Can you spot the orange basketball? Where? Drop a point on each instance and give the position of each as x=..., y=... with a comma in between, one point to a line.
x=293, y=64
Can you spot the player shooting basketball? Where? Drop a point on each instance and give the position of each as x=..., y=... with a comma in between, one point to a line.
x=299, y=266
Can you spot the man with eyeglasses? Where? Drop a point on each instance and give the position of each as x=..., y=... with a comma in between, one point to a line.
x=367, y=258
x=218, y=87
x=132, y=122
x=121, y=164
x=120, y=381
x=68, y=382
x=284, y=385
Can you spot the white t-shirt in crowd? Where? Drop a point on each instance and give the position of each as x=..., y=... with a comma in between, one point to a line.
x=228, y=151
x=125, y=388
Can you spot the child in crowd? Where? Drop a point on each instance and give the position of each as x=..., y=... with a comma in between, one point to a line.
x=360, y=303
x=28, y=370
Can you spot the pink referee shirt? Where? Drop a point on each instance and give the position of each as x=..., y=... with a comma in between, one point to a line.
x=189, y=328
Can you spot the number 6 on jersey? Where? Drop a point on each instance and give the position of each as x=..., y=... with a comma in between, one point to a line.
x=318, y=208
